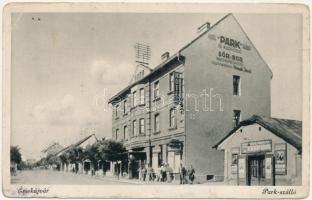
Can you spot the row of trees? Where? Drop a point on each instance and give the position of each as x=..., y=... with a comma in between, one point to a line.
x=102, y=150
x=15, y=155
x=16, y=160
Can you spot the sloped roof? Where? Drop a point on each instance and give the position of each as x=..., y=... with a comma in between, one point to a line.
x=76, y=144
x=55, y=144
x=84, y=139
x=288, y=130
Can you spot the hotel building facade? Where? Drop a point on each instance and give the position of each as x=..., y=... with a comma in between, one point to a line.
x=177, y=111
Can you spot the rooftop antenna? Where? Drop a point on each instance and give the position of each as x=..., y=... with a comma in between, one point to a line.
x=142, y=53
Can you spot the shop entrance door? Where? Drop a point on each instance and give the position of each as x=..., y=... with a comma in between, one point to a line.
x=256, y=170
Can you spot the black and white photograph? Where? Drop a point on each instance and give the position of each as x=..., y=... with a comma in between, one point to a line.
x=149, y=96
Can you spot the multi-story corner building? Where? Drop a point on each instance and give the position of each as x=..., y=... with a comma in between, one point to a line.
x=177, y=111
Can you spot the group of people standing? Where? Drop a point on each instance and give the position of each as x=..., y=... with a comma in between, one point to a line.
x=186, y=175
x=165, y=174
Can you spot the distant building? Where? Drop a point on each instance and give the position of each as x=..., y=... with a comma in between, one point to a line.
x=263, y=151
x=176, y=112
x=51, y=149
x=81, y=167
x=30, y=161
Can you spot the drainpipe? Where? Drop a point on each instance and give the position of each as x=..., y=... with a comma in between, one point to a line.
x=183, y=145
x=150, y=122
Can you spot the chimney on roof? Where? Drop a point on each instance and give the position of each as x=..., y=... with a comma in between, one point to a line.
x=165, y=56
x=203, y=27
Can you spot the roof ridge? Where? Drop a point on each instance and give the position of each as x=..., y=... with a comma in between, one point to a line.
x=203, y=33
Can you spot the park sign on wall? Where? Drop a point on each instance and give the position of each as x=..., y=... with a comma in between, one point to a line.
x=230, y=53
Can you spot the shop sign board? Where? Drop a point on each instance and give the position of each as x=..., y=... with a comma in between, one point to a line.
x=280, y=152
x=257, y=146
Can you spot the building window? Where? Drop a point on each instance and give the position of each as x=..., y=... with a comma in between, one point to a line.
x=134, y=99
x=176, y=84
x=116, y=110
x=171, y=82
x=125, y=132
x=134, y=128
x=173, y=119
x=142, y=97
x=125, y=107
x=142, y=124
x=116, y=134
x=236, y=86
x=236, y=117
x=156, y=90
x=160, y=156
x=156, y=123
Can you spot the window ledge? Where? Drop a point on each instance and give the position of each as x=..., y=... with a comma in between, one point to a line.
x=141, y=105
x=156, y=99
x=132, y=108
x=156, y=132
x=125, y=114
x=170, y=92
x=172, y=128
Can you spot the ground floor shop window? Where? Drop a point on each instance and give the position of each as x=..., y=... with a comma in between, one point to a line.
x=174, y=160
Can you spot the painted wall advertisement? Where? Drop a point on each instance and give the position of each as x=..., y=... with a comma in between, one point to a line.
x=234, y=160
x=230, y=53
x=280, y=152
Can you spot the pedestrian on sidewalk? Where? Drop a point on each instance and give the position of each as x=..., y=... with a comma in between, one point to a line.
x=144, y=172
x=182, y=172
x=140, y=173
x=149, y=173
x=191, y=174
x=158, y=174
x=170, y=174
x=168, y=177
x=162, y=173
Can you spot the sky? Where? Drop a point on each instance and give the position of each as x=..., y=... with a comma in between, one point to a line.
x=65, y=67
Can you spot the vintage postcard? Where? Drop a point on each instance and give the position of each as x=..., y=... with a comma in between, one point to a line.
x=137, y=100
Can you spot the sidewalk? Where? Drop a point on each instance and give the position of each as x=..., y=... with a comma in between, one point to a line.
x=125, y=180
x=137, y=181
